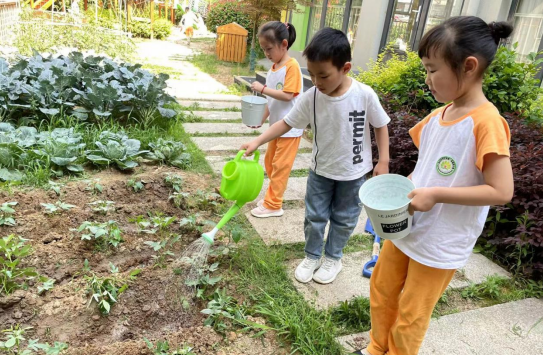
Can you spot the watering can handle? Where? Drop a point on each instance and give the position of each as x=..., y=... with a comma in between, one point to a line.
x=241, y=152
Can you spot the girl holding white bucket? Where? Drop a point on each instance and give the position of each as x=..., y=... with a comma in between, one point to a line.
x=284, y=84
x=462, y=169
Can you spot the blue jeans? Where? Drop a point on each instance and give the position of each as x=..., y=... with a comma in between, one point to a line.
x=334, y=201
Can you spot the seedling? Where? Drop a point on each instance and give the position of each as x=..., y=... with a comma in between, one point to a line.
x=223, y=307
x=163, y=348
x=191, y=222
x=47, y=285
x=144, y=225
x=105, y=291
x=203, y=279
x=15, y=339
x=179, y=199
x=6, y=214
x=174, y=181
x=105, y=233
x=206, y=200
x=56, y=208
x=102, y=207
x=137, y=186
x=95, y=187
x=164, y=249
x=14, y=250
x=158, y=222
x=55, y=186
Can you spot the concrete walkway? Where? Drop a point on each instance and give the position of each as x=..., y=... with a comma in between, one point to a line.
x=511, y=328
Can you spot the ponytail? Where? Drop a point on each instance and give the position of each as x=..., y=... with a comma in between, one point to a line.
x=276, y=32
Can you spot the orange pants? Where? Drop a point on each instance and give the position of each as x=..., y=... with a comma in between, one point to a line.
x=279, y=160
x=189, y=32
x=399, y=320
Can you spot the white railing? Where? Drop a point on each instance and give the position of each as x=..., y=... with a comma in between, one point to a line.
x=9, y=14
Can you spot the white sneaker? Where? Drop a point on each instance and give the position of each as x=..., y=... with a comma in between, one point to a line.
x=306, y=269
x=328, y=271
x=263, y=212
x=260, y=203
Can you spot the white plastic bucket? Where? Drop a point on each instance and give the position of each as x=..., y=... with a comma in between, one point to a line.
x=252, y=110
x=385, y=199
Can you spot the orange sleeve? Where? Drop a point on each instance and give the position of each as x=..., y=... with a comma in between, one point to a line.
x=492, y=135
x=293, y=78
x=416, y=131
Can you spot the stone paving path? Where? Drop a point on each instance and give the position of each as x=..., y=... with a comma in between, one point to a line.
x=511, y=328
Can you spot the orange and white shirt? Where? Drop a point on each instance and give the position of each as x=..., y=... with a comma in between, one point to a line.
x=287, y=78
x=451, y=154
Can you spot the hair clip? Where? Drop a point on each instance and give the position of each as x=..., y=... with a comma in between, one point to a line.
x=286, y=24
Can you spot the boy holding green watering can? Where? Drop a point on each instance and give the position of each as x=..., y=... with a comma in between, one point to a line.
x=339, y=111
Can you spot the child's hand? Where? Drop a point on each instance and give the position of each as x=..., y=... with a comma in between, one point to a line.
x=422, y=200
x=381, y=168
x=256, y=86
x=250, y=147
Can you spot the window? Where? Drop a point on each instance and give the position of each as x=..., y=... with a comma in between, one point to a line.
x=528, y=23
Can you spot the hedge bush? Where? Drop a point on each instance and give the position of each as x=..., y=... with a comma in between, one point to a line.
x=161, y=29
x=510, y=85
x=227, y=11
x=514, y=233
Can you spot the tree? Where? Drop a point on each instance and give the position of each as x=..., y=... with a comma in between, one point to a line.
x=261, y=9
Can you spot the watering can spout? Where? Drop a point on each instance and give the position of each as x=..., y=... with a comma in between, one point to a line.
x=209, y=237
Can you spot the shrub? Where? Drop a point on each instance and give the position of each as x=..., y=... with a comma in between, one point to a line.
x=227, y=11
x=161, y=29
x=400, y=79
x=510, y=85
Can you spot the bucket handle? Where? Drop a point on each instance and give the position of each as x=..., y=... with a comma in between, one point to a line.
x=241, y=152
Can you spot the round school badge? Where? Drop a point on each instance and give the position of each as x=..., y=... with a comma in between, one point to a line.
x=446, y=166
x=279, y=86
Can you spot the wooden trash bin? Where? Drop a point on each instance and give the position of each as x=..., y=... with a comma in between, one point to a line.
x=231, y=43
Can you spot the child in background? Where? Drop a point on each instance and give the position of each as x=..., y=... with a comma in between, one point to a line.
x=463, y=168
x=284, y=83
x=340, y=111
x=187, y=21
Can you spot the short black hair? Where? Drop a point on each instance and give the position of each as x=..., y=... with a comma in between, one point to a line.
x=277, y=31
x=464, y=36
x=187, y=9
x=329, y=45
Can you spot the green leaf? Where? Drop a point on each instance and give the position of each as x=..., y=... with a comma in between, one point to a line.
x=106, y=306
x=10, y=342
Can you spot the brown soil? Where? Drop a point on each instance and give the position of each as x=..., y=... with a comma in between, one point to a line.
x=150, y=308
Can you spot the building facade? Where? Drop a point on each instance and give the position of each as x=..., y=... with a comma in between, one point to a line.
x=371, y=24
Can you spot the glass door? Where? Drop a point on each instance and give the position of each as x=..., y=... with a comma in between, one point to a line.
x=352, y=25
x=440, y=10
x=403, y=22
x=335, y=13
x=411, y=19
x=528, y=33
x=314, y=19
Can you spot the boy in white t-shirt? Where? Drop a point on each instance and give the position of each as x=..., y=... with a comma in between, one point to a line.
x=340, y=111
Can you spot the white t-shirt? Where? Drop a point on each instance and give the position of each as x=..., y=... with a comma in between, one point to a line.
x=288, y=78
x=188, y=19
x=451, y=154
x=341, y=129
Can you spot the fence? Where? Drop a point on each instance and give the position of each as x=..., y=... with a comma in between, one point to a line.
x=9, y=13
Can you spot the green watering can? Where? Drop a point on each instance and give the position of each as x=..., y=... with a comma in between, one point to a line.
x=241, y=182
